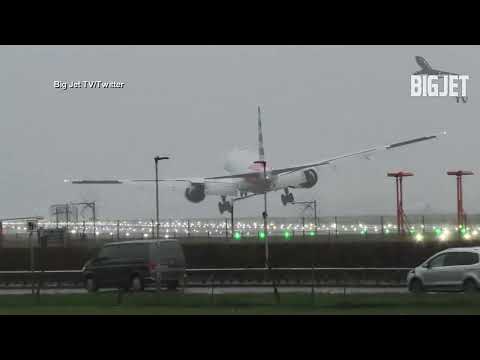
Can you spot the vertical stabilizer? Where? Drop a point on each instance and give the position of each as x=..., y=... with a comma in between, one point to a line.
x=261, y=152
x=423, y=63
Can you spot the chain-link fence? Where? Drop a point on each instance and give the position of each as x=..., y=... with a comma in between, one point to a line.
x=441, y=227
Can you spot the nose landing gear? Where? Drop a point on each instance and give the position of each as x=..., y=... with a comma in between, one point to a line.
x=225, y=205
x=287, y=197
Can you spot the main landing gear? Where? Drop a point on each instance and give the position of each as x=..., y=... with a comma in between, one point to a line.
x=225, y=205
x=287, y=197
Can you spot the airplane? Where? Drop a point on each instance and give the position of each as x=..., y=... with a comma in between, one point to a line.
x=426, y=69
x=246, y=171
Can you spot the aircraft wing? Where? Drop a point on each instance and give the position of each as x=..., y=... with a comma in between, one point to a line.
x=224, y=179
x=433, y=72
x=137, y=181
x=364, y=152
x=440, y=72
x=421, y=72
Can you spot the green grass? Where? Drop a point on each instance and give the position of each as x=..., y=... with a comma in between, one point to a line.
x=151, y=303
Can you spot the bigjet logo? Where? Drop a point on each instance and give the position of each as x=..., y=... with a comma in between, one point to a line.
x=432, y=85
x=432, y=82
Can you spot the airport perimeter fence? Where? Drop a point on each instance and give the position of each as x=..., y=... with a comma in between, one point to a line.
x=228, y=253
x=333, y=228
x=232, y=277
x=334, y=257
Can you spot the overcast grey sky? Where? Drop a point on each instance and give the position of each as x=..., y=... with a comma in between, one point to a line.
x=198, y=102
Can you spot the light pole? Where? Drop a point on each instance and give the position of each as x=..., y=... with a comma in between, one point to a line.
x=265, y=215
x=157, y=158
x=265, y=219
x=309, y=203
x=91, y=205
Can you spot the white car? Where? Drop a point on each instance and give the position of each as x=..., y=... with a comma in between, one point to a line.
x=455, y=269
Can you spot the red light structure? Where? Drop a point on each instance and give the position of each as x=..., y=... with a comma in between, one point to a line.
x=399, y=186
x=461, y=221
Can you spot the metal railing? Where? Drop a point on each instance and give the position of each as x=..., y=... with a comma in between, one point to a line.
x=237, y=277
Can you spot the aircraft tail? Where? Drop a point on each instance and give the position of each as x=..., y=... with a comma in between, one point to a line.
x=261, y=151
x=423, y=63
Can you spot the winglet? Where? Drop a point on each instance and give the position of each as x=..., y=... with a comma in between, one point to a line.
x=419, y=139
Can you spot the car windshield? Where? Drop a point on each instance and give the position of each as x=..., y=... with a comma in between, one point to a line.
x=438, y=261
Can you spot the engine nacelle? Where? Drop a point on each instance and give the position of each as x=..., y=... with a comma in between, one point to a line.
x=311, y=179
x=304, y=179
x=222, y=189
x=195, y=192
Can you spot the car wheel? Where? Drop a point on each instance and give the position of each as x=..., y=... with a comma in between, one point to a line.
x=172, y=285
x=91, y=285
x=290, y=198
x=470, y=286
x=416, y=286
x=136, y=284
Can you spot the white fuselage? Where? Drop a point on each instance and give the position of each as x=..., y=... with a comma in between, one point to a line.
x=243, y=161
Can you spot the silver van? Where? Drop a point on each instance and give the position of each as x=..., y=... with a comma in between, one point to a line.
x=454, y=269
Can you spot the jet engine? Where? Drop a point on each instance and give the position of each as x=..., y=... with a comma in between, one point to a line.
x=311, y=179
x=195, y=192
x=300, y=179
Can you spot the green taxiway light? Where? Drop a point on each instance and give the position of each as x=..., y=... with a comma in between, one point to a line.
x=287, y=234
x=438, y=232
x=311, y=233
x=261, y=235
x=237, y=235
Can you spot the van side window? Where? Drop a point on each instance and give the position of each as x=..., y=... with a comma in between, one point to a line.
x=109, y=252
x=452, y=259
x=472, y=258
x=133, y=251
x=467, y=258
x=164, y=251
x=461, y=258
